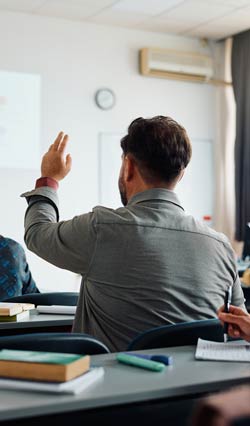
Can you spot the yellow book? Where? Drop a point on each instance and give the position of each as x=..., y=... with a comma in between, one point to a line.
x=44, y=366
x=8, y=309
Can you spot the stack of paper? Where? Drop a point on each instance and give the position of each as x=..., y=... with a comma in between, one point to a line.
x=12, y=312
x=216, y=351
x=56, y=309
x=71, y=387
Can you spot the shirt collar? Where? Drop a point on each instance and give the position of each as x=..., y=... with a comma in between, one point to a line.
x=156, y=194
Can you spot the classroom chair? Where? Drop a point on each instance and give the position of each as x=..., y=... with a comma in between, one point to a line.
x=77, y=343
x=246, y=292
x=53, y=298
x=181, y=334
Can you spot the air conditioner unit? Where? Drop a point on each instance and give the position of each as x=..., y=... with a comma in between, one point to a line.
x=176, y=64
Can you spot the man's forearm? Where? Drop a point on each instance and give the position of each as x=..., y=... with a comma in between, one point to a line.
x=42, y=210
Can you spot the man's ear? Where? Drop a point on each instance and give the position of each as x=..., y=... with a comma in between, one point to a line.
x=129, y=168
x=181, y=175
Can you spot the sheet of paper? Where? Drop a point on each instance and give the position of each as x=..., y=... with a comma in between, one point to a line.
x=216, y=351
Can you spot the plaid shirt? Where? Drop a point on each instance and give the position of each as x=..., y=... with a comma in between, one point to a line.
x=15, y=276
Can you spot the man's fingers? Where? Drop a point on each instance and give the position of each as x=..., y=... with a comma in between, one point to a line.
x=68, y=161
x=58, y=140
x=237, y=311
x=232, y=319
x=233, y=310
x=233, y=330
x=62, y=146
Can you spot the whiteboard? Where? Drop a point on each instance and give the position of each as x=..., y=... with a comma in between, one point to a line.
x=195, y=191
x=19, y=120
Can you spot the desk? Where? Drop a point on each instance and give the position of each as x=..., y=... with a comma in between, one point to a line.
x=128, y=395
x=38, y=323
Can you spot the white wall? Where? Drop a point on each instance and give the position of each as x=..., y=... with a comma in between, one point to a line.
x=74, y=60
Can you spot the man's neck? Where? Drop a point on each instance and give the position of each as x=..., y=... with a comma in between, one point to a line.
x=144, y=187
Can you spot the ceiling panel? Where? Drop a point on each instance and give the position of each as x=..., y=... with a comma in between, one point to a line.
x=199, y=18
x=197, y=11
x=236, y=3
x=73, y=9
x=214, y=33
x=147, y=7
x=230, y=3
x=233, y=23
x=21, y=5
x=119, y=18
x=165, y=26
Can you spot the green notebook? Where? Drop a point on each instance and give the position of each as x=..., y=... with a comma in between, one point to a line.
x=40, y=357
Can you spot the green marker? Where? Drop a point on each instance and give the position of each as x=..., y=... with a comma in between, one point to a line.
x=140, y=362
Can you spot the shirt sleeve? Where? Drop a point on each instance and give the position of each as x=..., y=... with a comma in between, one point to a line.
x=66, y=244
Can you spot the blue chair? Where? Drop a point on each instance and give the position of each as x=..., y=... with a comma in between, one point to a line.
x=181, y=334
x=77, y=343
x=53, y=298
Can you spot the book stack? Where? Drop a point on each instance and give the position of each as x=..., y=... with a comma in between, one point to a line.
x=13, y=312
x=46, y=371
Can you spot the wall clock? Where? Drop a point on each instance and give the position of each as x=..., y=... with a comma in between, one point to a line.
x=105, y=98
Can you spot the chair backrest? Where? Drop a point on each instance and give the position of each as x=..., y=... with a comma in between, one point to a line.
x=77, y=343
x=181, y=334
x=246, y=291
x=246, y=245
x=53, y=298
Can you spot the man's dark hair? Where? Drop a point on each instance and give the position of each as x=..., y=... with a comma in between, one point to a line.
x=160, y=147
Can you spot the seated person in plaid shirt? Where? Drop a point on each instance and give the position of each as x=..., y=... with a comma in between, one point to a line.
x=15, y=276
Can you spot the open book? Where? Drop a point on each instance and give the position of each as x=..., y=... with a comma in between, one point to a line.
x=216, y=351
x=73, y=386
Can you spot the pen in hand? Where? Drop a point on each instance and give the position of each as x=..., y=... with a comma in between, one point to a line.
x=227, y=302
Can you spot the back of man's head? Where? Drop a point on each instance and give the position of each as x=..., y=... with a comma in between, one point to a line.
x=160, y=147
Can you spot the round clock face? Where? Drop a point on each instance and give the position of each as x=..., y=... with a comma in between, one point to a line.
x=105, y=98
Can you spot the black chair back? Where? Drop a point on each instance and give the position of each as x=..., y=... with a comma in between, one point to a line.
x=181, y=334
x=53, y=298
x=77, y=343
x=246, y=291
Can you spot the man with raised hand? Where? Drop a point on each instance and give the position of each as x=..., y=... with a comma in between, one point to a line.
x=145, y=264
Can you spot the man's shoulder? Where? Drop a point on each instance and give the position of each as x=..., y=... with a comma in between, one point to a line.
x=203, y=229
x=184, y=222
x=110, y=215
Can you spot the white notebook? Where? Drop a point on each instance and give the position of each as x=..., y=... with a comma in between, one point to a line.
x=56, y=309
x=216, y=351
x=74, y=386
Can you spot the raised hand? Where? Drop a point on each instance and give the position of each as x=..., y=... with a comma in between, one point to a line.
x=54, y=163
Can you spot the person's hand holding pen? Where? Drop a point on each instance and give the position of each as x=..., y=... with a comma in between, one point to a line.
x=238, y=322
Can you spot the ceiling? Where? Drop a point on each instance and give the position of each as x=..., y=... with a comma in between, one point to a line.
x=214, y=19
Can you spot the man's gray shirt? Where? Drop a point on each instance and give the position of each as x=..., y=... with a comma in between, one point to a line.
x=144, y=265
